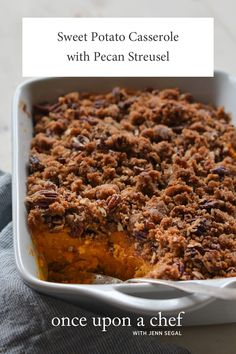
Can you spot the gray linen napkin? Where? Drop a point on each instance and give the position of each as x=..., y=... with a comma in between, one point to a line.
x=25, y=315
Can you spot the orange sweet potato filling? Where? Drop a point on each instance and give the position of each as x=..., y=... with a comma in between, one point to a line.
x=74, y=260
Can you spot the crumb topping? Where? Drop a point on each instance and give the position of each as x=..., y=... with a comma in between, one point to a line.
x=154, y=164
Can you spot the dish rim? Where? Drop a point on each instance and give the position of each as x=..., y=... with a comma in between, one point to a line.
x=97, y=291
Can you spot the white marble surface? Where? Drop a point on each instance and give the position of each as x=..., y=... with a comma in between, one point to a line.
x=200, y=340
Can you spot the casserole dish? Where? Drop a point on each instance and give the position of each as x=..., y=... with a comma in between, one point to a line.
x=143, y=299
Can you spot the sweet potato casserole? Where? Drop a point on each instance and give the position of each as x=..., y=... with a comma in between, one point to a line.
x=133, y=184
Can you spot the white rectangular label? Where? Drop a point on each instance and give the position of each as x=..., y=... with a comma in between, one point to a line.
x=118, y=47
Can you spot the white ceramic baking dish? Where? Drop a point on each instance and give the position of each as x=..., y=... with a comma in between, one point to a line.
x=142, y=299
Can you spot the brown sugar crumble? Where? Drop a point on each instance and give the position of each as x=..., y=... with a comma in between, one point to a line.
x=133, y=184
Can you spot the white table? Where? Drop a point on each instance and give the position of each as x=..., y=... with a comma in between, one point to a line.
x=200, y=340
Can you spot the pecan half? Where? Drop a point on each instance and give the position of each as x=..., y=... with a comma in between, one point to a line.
x=113, y=201
x=42, y=198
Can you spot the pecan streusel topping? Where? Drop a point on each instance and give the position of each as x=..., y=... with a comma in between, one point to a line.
x=155, y=165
